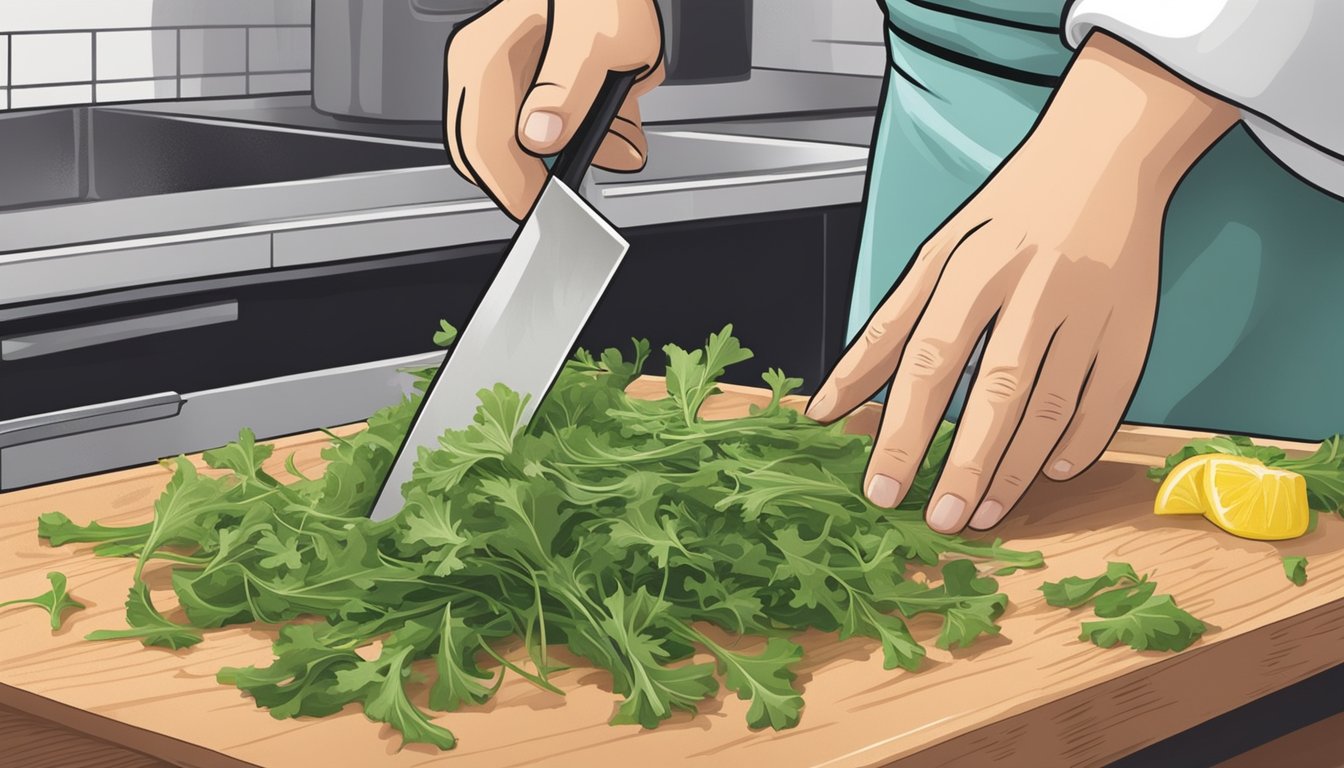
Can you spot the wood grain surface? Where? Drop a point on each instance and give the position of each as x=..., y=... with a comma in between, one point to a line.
x=1034, y=696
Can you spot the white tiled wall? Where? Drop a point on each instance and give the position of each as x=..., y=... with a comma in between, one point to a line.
x=55, y=52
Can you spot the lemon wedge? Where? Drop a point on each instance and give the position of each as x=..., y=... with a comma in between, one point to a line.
x=1239, y=495
x=1183, y=492
x=1253, y=501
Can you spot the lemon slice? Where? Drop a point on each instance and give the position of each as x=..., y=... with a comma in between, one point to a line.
x=1182, y=492
x=1247, y=499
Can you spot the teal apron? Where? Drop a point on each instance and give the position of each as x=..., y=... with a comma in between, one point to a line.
x=1247, y=337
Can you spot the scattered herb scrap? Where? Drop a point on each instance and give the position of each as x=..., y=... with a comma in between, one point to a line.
x=446, y=335
x=1074, y=591
x=57, y=601
x=1156, y=624
x=1127, y=609
x=1323, y=470
x=1295, y=568
x=609, y=525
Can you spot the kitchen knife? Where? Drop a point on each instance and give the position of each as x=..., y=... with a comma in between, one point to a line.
x=521, y=333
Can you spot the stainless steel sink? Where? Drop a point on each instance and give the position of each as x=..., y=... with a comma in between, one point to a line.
x=111, y=198
x=84, y=154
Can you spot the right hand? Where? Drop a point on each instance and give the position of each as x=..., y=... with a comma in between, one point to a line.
x=519, y=83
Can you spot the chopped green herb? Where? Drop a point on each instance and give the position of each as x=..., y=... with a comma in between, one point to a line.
x=609, y=525
x=1074, y=591
x=446, y=335
x=1154, y=625
x=1129, y=611
x=1295, y=568
x=56, y=601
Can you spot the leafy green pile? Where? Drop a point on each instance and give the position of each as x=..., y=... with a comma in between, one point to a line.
x=1323, y=469
x=617, y=527
x=1127, y=609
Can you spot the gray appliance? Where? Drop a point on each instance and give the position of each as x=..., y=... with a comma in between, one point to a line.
x=383, y=59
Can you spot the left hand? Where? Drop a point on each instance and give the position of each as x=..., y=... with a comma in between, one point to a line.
x=1059, y=253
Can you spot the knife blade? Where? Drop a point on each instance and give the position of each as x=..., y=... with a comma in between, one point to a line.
x=557, y=268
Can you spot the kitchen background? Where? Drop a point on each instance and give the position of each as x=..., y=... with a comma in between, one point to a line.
x=188, y=246
x=68, y=52
x=225, y=214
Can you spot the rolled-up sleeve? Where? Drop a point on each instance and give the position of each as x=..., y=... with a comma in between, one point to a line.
x=1280, y=61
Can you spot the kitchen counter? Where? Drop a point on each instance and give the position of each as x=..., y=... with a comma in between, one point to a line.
x=185, y=190
x=1035, y=695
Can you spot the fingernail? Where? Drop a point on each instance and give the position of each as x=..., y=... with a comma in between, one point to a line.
x=1062, y=467
x=884, y=491
x=987, y=515
x=946, y=514
x=543, y=127
x=820, y=405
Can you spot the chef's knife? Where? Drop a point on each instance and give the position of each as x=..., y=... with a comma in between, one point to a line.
x=556, y=270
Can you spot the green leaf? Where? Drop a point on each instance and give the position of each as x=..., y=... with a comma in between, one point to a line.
x=58, y=530
x=302, y=681
x=976, y=607
x=1118, y=602
x=655, y=690
x=1155, y=625
x=188, y=509
x=148, y=625
x=899, y=647
x=459, y=680
x=244, y=458
x=380, y=685
x=56, y=600
x=1295, y=568
x=446, y=335
x=691, y=376
x=1074, y=591
x=765, y=680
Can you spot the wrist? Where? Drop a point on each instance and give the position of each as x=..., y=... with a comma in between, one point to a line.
x=1119, y=116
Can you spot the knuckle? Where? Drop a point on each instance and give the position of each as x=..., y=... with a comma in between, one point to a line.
x=1015, y=482
x=895, y=456
x=1051, y=408
x=927, y=359
x=971, y=469
x=929, y=253
x=879, y=328
x=1003, y=384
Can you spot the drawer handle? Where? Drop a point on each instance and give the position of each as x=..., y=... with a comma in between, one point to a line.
x=137, y=410
x=78, y=337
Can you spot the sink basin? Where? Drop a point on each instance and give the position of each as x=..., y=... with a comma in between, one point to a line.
x=96, y=175
x=105, y=198
x=84, y=154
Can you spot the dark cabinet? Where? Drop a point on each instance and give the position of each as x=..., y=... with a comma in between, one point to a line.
x=782, y=280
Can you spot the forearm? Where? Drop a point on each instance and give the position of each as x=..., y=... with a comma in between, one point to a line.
x=1119, y=113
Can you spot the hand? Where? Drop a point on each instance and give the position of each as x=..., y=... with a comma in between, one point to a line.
x=1059, y=254
x=519, y=82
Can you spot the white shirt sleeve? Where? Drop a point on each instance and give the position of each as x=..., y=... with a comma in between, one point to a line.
x=1280, y=61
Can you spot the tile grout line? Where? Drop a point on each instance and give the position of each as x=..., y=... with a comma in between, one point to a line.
x=118, y=80
x=93, y=66
x=247, y=73
x=247, y=57
x=26, y=32
x=178, y=64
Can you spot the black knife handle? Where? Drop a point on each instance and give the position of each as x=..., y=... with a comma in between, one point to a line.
x=573, y=161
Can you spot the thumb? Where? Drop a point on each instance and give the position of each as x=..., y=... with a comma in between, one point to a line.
x=567, y=84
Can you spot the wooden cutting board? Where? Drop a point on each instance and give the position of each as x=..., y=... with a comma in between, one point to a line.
x=1034, y=696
